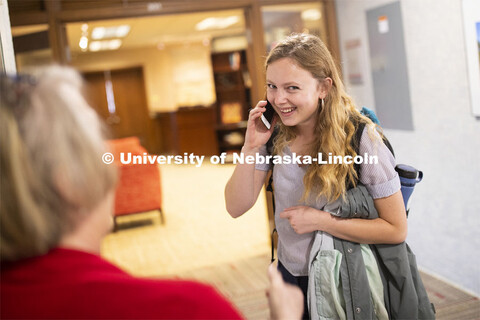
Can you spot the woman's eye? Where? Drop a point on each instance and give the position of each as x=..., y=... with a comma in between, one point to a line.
x=293, y=88
x=271, y=86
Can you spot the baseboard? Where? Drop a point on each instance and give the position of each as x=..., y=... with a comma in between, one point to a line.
x=449, y=282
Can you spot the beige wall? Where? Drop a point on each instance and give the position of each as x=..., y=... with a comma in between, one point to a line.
x=177, y=75
x=192, y=74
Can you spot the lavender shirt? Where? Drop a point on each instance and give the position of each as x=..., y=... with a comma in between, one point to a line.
x=381, y=180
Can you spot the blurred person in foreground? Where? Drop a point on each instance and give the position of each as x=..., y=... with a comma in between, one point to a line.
x=57, y=205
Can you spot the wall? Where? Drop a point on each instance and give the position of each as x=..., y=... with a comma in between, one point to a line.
x=178, y=75
x=445, y=144
x=192, y=75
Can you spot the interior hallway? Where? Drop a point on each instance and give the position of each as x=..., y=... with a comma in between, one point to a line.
x=201, y=241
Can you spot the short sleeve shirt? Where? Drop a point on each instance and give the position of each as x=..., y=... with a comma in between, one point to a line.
x=380, y=179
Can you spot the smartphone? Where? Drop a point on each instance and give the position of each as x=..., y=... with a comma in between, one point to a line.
x=267, y=116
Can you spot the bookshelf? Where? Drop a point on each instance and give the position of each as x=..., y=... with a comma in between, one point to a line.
x=232, y=88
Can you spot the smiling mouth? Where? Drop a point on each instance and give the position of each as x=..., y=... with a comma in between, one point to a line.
x=287, y=110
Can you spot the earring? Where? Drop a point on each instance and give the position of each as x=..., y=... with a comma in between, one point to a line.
x=322, y=103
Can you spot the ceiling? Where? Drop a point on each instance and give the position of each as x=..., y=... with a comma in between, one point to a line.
x=166, y=29
x=170, y=29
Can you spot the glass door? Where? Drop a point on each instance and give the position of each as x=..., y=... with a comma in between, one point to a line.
x=280, y=21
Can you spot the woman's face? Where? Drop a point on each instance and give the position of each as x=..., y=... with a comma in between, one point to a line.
x=293, y=92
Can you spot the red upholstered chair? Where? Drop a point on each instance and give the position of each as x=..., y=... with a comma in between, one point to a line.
x=139, y=187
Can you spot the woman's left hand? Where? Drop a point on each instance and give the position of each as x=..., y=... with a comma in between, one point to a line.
x=389, y=228
x=304, y=219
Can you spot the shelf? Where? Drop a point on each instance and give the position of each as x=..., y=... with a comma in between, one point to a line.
x=233, y=98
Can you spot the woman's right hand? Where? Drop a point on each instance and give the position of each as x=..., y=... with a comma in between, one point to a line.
x=243, y=188
x=257, y=134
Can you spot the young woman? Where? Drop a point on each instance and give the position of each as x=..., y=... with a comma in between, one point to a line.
x=314, y=115
x=56, y=206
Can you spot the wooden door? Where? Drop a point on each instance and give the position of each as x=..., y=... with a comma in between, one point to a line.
x=127, y=113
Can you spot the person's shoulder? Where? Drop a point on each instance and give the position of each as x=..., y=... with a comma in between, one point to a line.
x=170, y=298
x=371, y=134
x=122, y=294
x=175, y=285
x=194, y=292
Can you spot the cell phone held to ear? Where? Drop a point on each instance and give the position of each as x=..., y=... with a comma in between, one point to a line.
x=267, y=116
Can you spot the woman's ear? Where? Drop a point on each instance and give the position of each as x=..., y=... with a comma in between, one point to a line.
x=325, y=87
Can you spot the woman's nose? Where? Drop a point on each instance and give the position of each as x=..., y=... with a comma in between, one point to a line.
x=279, y=98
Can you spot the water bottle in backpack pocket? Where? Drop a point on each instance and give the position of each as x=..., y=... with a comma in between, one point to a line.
x=409, y=177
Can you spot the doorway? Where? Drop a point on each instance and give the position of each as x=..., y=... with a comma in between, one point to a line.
x=119, y=98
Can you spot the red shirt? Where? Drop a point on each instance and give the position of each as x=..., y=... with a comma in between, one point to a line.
x=73, y=284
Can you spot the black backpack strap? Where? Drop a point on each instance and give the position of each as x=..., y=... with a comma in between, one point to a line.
x=387, y=143
x=270, y=180
x=272, y=239
x=372, y=116
x=270, y=141
x=359, y=127
x=270, y=151
x=270, y=189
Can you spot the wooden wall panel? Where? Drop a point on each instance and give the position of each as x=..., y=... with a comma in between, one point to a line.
x=189, y=130
x=16, y=6
x=196, y=131
x=131, y=117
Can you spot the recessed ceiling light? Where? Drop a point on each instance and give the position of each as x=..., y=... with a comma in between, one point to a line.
x=105, y=45
x=83, y=43
x=216, y=23
x=122, y=31
x=95, y=46
x=114, y=44
x=99, y=33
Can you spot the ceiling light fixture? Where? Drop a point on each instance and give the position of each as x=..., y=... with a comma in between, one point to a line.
x=121, y=31
x=105, y=45
x=216, y=23
x=83, y=43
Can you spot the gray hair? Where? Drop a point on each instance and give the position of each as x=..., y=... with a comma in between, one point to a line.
x=51, y=170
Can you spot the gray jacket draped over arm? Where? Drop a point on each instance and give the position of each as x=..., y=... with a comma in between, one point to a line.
x=404, y=293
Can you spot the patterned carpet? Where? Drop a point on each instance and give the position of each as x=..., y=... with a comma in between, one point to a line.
x=244, y=282
x=450, y=302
